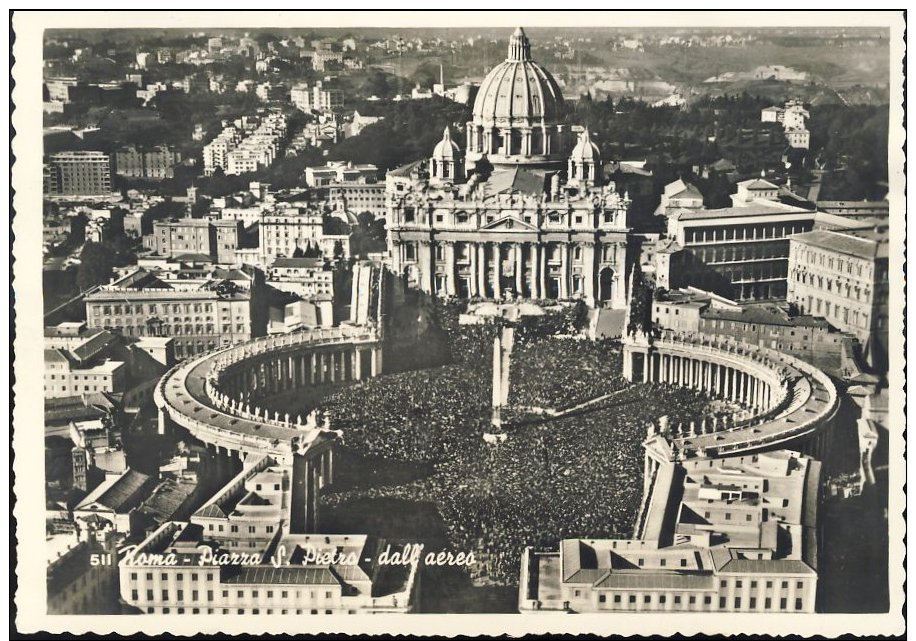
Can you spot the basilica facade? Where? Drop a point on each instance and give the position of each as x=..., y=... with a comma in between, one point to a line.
x=523, y=211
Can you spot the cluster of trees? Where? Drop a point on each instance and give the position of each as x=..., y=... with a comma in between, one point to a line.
x=368, y=236
x=409, y=131
x=851, y=143
x=98, y=260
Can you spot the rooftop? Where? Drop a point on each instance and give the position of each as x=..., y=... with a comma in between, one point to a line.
x=860, y=243
x=119, y=494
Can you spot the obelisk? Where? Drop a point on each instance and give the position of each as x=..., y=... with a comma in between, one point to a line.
x=497, y=383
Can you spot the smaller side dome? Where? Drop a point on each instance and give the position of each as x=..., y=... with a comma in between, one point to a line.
x=585, y=163
x=446, y=165
x=446, y=149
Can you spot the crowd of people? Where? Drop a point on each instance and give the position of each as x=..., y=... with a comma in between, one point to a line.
x=559, y=373
x=578, y=475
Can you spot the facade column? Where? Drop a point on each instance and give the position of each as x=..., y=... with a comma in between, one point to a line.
x=519, y=267
x=588, y=273
x=357, y=364
x=481, y=270
x=376, y=362
x=472, y=273
x=425, y=260
x=542, y=271
x=450, y=272
x=313, y=368
x=497, y=271
x=533, y=276
x=564, y=270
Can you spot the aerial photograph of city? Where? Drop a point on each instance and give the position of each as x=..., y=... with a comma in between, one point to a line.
x=494, y=319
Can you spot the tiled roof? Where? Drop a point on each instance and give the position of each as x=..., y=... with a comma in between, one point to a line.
x=764, y=316
x=848, y=243
x=267, y=574
x=122, y=495
x=649, y=580
x=405, y=170
x=742, y=212
x=211, y=511
x=526, y=181
x=298, y=262
x=766, y=566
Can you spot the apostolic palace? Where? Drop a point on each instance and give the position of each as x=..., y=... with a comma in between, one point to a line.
x=525, y=213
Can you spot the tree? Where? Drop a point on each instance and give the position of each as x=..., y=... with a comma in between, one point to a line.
x=96, y=265
x=338, y=250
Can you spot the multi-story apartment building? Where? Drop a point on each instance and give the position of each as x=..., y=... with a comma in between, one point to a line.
x=793, y=118
x=217, y=239
x=736, y=534
x=856, y=209
x=259, y=149
x=79, y=173
x=199, y=311
x=77, y=361
x=284, y=230
x=679, y=195
x=326, y=97
x=301, y=96
x=216, y=153
x=341, y=172
x=65, y=377
x=842, y=276
x=356, y=198
x=152, y=164
x=302, y=276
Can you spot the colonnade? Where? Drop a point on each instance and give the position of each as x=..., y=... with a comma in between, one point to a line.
x=715, y=378
x=274, y=373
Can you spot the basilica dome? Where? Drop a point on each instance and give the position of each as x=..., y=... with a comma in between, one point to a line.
x=519, y=90
x=518, y=113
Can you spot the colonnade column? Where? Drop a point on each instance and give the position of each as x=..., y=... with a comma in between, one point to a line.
x=472, y=281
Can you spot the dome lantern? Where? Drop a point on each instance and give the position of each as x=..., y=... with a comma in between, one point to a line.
x=519, y=47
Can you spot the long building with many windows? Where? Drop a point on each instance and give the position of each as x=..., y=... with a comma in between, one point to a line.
x=224, y=307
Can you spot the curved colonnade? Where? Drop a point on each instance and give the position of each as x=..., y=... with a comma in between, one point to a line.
x=785, y=401
x=214, y=396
